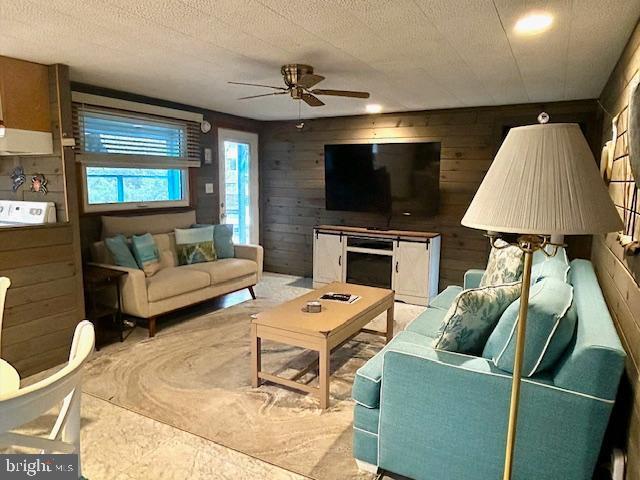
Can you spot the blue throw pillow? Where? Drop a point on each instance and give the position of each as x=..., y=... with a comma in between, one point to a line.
x=556, y=266
x=222, y=239
x=551, y=322
x=146, y=253
x=120, y=252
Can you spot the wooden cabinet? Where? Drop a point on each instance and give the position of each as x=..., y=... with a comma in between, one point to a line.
x=328, y=253
x=407, y=262
x=24, y=95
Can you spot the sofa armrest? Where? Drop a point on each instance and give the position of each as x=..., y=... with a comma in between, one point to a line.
x=251, y=252
x=472, y=278
x=437, y=406
x=133, y=288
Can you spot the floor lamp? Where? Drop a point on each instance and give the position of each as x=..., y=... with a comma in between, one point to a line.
x=543, y=181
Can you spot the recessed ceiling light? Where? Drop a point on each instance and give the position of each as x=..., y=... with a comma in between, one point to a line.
x=374, y=108
x=533, y=23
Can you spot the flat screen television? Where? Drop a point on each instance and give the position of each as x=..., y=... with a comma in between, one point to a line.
x=389, y=178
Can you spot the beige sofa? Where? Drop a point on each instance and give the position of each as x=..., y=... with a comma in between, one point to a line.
x=174, y=286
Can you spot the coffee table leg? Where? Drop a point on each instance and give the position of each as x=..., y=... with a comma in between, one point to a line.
x=324, y=376
x=256, y=360
x=390, y=315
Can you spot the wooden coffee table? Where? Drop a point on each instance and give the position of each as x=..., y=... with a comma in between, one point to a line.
x=323, y=332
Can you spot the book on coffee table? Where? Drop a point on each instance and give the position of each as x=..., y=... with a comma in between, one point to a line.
x=340, y=297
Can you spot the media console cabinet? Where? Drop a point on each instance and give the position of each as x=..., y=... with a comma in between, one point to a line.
x=405, y=261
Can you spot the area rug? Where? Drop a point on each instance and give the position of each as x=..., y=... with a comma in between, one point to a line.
x=194, y=375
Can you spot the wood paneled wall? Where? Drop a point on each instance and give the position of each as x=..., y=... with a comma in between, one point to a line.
x=619, y=275
x=292, y=176
x=45, y=300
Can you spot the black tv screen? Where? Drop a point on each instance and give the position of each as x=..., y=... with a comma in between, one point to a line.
x=390, y=178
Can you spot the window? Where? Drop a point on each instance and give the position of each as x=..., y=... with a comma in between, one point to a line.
x=133, y=160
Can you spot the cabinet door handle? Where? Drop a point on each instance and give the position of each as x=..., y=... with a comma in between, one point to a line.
x=340, y=261
x=397, y=266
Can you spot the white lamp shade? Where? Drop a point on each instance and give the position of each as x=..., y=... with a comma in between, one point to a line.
x=544, y=180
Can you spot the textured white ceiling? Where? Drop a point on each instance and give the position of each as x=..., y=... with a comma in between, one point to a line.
x=410, y=54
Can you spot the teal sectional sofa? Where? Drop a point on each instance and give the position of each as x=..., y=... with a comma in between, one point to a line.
x=430, y=414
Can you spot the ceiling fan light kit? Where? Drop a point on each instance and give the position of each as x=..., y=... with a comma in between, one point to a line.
x=299, y=80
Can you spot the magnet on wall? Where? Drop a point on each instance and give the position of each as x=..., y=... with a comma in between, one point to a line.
x=17, y=178
x=39, y=184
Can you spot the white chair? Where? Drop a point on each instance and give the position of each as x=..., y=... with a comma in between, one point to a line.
x=22, y=405
x=9, y=379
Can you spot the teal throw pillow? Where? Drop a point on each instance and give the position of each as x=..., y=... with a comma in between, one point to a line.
x=195, y=245
x=118, y=247
x=222, y=239
x=544, y=266
x=551, y=322
x=146, y=253
x=472, y=316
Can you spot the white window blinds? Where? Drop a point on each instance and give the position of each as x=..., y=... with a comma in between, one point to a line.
x=109, y=137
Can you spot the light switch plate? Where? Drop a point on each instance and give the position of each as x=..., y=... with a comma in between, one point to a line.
x=208, y=188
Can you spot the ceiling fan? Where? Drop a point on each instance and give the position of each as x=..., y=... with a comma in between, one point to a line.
x=299, y=79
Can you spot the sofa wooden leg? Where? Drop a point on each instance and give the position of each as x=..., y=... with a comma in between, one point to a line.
x=151, y=322
x=253, y=294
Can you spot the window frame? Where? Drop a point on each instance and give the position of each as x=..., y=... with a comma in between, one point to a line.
x=119, y=206
x=133, y=161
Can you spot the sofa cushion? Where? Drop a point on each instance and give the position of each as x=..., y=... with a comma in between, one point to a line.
x=366, y=385
x=505, y=265
x=446, y=297
x=550, y=326
x=153, y=224
x=227, y=269
x=472, y=316
x=174, y=281
x=428, y=322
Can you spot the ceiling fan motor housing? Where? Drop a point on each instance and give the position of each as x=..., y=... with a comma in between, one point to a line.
x=293, y=71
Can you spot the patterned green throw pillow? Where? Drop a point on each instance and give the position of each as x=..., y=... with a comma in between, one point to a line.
x=195, y=245
x=505, y=265
x=472, y=316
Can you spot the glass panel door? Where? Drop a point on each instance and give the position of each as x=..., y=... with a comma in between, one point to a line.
x=239, y=184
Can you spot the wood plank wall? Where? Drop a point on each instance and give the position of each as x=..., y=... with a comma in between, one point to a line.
x=205, y=204
x=619, y=275
x=45, y=301
x=292, y=176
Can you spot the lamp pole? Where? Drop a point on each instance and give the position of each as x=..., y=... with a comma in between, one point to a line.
x=528, y=246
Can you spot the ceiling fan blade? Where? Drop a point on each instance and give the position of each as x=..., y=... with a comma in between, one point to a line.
x=341, y=93
x=258, y=85
x=311, y=100
x=309, y=80
x=264, y=95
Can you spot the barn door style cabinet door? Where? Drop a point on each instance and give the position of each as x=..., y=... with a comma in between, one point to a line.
x=413, y=270
x=328, y=255
x=407, y=262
